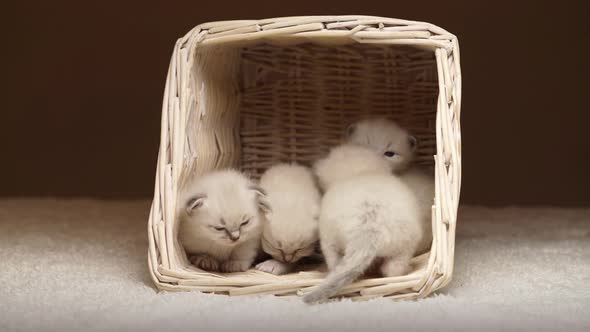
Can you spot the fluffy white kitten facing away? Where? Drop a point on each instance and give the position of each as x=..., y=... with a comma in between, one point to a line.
x=291, y=229
x=398, y=147
x=220, y=224
x=366, y=215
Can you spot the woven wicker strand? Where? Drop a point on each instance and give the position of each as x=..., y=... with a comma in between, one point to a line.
x=251, y=93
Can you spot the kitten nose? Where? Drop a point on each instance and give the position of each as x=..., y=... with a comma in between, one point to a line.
x=234, y=236
x=288, y=258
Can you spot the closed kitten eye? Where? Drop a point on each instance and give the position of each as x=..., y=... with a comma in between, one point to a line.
x=219, y=228
x=304, y=251
x=389, y=154
x=245, y=222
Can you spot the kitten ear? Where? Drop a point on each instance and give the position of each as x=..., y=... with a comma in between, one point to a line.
x=195, y=203
x=350, y=130
x=413, y=142
x=262, y=202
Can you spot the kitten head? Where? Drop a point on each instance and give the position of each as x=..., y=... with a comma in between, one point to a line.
x=349, y=160
x=386, y=138
x=225, y=206
x=288, y=237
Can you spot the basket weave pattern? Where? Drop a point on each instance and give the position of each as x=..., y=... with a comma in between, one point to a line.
x=251, y=93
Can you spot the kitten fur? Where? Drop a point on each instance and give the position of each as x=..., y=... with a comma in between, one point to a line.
x=348, y=160
x=220, y=224
x=382, y=135
x=364, y=217
x=421, y=183
x=290, y=231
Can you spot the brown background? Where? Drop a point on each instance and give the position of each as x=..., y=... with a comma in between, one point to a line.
x=83, y=83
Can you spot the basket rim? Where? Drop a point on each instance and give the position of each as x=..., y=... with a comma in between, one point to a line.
x=334, y=26
x=319, y=18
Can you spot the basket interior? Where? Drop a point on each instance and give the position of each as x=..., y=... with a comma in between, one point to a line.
x=265, y=102
x=262, y=103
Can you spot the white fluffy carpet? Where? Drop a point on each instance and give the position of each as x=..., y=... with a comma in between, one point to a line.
x=81, y=266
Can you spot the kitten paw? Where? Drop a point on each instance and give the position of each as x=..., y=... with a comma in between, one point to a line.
x=205, y=262
x=234, y=266
x=273, y=266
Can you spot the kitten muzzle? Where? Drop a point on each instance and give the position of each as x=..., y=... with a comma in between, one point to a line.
x=234, y=236
x=287, y=258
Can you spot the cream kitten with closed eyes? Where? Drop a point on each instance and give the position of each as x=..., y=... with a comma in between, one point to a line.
x=291, y=228
x=367, y=216
x=398, y=147
x=220, y=224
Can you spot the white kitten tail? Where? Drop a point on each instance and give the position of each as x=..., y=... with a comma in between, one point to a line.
x=360, y=254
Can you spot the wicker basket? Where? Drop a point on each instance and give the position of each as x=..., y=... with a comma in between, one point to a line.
x=251, y=93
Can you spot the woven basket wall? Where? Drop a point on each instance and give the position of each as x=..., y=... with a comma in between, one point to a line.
x=248, y=94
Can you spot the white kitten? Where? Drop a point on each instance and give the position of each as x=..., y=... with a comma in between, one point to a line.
x=398, y=147
x=220, y=223
x=291, y=229
x=386, y=138
x=364, y=216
